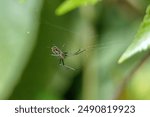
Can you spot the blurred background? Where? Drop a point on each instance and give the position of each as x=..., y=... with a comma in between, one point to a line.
x=28, y=30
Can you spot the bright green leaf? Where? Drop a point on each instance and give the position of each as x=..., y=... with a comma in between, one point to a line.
x=142, y=38
x=69, y=5
x=18, y=27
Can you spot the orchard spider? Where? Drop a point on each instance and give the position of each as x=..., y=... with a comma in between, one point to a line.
x=62, y=55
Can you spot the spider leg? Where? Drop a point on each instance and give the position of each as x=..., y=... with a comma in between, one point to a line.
x=66, y=66
x=62, y=61
x=59, y=61
x=71, y=68
x=79, y=51
x=73, y=54
x=66, y=54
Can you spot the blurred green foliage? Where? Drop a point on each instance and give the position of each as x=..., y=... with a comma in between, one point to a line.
x=28, y=30
x=18, y=27
x=142, y=40
x=69, y=5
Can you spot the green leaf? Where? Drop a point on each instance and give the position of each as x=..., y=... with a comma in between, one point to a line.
x=18, y=27
x=69, y=5
x=141, y=41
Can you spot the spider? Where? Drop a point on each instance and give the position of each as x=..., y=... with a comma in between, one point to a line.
x=62, y=55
